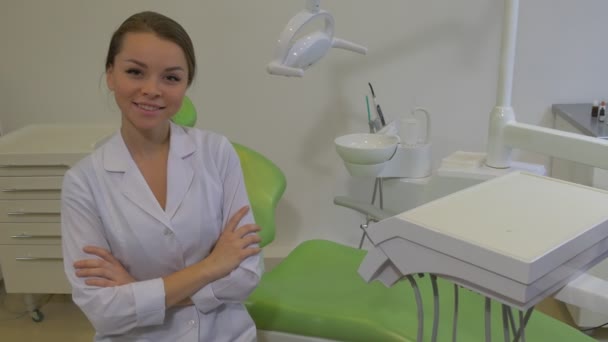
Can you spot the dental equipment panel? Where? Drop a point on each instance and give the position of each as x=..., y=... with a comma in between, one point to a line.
x=501, y=238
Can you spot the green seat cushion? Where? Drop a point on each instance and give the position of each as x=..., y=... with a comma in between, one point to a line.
x=316, y=291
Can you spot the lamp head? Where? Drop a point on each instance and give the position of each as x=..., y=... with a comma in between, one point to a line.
x=294, y=55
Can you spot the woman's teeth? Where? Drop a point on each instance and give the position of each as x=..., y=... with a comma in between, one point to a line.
x=147, y=107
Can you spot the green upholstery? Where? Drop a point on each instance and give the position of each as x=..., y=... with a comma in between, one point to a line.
x=265, y=184
x=316, y=291
x=186, y=115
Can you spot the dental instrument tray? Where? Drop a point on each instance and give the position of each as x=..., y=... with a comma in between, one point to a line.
x=518, y=238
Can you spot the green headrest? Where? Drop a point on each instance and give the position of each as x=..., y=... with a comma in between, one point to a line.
x=186, y=116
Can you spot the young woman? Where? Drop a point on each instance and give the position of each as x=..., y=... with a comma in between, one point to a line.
x=158, y=240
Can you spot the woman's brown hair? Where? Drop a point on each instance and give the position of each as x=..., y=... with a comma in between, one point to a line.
x=162, y=26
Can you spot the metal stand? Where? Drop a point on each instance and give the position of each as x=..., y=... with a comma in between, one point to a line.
x=30, y=305
x=369, y=218
x=508, y=323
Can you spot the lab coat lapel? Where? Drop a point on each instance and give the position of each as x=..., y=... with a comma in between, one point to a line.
x=180, y=171
x=133, y=185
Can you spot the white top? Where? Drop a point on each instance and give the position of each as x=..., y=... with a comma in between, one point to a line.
x=54, y=138
x=106, y=202
x=520, y=226
x=520, y=215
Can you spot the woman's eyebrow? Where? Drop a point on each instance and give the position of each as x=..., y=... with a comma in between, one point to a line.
x=175, y=68
x=143, y=65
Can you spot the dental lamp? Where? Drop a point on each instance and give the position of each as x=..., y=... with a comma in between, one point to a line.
x=293, y=56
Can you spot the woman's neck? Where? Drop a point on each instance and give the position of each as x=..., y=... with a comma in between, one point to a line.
x=145, y=144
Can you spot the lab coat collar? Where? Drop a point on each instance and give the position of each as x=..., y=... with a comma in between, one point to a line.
x=117, y=159
x=116, y=156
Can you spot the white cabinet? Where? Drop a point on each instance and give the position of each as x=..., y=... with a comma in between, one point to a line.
x=33, y=161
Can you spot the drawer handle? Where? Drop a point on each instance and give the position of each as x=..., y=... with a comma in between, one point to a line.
x=33, y=165
x=27, y=236
x=38, y=259
x=33, y=213
x=27, y=190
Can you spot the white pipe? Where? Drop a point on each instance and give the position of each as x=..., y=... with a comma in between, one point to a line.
x=498, y=154
x=560, y=144
x=507, y=55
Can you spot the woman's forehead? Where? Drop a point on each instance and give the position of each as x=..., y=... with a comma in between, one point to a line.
x=152, y=50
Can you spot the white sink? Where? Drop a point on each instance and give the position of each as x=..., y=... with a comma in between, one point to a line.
x=366, y=148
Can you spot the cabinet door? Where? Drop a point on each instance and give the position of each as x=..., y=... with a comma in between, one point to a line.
x=30, y=234
x=30, y=211
x=33, y=269
x=16, y=170
x=30, y=187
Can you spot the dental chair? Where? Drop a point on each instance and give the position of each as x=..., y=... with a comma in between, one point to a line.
x=316, y=294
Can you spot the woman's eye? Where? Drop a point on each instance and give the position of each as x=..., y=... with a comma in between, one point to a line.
x=173, y=78
x=134, y=72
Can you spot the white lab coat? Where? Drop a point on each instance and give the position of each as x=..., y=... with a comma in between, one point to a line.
x=106, y=202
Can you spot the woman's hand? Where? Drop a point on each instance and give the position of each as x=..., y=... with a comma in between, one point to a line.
x=233, y=246
x=104, y=272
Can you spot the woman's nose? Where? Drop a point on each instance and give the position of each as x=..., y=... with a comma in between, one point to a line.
x=151, y=88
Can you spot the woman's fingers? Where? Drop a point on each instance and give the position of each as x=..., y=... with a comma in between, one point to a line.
x=250, y=240
x=247, y=229
x=100, y=252
x=247, y=252
x=89, y=263
x=94, y=272
x=233, y=223
x=99, y=282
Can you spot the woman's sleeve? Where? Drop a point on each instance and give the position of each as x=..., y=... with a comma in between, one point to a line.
x=111, y=310
x=238, y=285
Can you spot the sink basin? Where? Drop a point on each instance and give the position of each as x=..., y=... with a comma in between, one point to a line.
x=366, y=148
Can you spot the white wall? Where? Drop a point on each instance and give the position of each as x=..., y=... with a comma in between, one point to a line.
x=441, y=54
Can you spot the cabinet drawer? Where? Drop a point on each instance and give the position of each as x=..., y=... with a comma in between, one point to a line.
x=33, y=269
x=30, y=187
x=30, y=210
x=18, y=170
x=30, y=234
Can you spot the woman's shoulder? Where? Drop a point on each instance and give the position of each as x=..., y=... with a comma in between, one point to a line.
x=85, y=167
x=208, y=141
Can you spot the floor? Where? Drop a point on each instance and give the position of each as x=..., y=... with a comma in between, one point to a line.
x=64, y=321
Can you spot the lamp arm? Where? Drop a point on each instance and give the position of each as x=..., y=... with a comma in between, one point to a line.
x=560, y=144
x=313, y=6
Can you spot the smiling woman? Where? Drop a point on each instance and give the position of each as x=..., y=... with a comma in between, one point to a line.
x=158, y=240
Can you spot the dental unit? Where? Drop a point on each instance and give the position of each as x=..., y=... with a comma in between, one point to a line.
x=490, y=238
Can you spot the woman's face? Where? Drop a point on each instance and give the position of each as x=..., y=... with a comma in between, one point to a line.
x=149, y=79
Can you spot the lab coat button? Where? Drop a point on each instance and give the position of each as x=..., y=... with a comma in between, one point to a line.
x=191, y=322
x=168, y=231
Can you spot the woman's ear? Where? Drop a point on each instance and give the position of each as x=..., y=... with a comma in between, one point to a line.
x=110, y=78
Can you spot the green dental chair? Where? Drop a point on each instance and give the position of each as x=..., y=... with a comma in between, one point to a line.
x=264, y=181
x=316, y=291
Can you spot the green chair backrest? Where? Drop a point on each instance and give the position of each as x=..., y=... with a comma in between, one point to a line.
x=264, y=181
x=265, y=184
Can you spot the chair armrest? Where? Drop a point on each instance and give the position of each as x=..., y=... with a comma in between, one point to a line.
x=371, y=211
